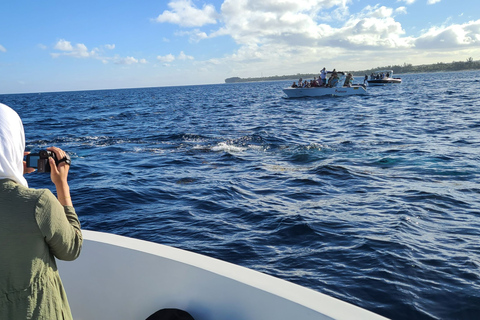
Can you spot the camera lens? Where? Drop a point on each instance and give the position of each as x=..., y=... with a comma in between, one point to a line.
x=43, y=154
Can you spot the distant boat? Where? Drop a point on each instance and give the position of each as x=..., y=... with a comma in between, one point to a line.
x=382, y=77
x=336, y=88
x=117, y=277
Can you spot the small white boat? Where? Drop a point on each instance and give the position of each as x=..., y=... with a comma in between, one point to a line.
x=117, y=277
x=382, y=77
x=324, y=91
x=336, y=90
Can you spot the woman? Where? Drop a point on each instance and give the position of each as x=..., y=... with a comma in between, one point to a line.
x=35, y=228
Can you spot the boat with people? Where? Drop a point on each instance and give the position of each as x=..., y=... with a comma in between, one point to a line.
x=339, y=84
x=382, y=77
x=118, y=277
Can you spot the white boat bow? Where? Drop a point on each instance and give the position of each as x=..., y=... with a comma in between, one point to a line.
x=117, y=277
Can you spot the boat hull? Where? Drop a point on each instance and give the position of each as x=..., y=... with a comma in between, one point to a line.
x=383, y=82
x=117, y=277
x=323, y=91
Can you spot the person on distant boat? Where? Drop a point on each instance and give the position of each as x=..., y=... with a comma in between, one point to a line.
x=365, y=79
x=35, y=228
x=323, y=76
x=329, y=82
x=333, y=80
x=294, y=85
x=348, y=80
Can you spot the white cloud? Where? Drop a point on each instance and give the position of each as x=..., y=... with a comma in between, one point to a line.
x=373, y=27
x=185, y=13
x=183, y=56
x=453, y=36
x=126, y=61
x=78, y=51
x=2, y=48
x=81, y=51
x=270, y=32
x=433, y=1
x=378, y=12
x=195, y=35
x=170, y=57
x=290, y=21
x=167, y=58
x=63, y=45
x=292, y=36
x=304, y=24
x=401, y=10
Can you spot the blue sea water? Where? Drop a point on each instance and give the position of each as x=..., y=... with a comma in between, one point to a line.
x=371, y=199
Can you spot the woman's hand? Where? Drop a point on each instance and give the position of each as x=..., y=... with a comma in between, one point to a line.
x=59, y=176
x=25, y=168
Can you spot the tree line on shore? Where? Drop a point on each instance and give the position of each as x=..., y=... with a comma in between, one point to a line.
x=469, y=64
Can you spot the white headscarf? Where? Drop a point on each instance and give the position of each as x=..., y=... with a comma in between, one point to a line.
x=12, y=145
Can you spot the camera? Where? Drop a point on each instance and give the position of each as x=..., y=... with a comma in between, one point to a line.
x=40, y=160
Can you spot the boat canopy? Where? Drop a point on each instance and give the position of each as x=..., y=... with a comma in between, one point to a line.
x=338, y=72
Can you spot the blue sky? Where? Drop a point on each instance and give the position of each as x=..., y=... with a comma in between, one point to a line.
x=85, y=45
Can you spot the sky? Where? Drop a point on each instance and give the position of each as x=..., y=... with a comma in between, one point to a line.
x=52, y=45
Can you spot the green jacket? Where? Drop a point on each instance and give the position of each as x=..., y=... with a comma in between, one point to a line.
x=34, y=230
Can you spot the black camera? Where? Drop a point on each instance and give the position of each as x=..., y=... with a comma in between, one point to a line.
x=40, y=160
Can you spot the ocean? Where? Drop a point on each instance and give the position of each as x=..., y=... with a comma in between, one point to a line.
x=371, y=199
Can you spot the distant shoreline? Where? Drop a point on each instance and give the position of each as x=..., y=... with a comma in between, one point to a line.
x=469, y=64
